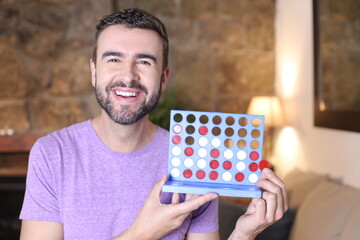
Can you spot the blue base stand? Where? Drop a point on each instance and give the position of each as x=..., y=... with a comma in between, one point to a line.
x=230, y=190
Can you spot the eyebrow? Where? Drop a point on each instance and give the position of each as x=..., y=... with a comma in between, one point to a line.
x=144, y=55
x=111, y=53
x=120, y=54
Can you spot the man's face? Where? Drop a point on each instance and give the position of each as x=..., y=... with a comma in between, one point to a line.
x=128, y=76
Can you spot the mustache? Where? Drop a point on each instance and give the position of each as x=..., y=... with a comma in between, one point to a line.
x=133, y=84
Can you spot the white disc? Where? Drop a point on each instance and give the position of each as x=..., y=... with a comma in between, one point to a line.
x=201, y=163
x=253, y=178
x=202, y=152
x=241, y=155
x=240, y=166
x=175, y=162
x=228, y=154
x=175, y=172
x=176, y=151
x=215, y=142
x=203, y=141
x=226, y=176
x=188, y=163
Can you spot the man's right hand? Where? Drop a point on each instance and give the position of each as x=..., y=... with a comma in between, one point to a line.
x=155, y=219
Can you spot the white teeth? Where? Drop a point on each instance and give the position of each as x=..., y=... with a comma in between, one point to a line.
x=126, y=94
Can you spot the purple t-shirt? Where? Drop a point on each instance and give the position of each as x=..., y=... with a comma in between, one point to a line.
x=75, y=179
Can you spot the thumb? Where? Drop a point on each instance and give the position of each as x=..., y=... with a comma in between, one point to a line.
x=156, y=191
x=195, y=203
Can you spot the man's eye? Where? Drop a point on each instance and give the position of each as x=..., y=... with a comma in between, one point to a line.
x=113, y=60
x=144, y=62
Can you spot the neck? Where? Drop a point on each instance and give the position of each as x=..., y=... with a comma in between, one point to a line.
x=124, y=138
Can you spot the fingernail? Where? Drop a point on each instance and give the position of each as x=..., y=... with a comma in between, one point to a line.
x=214, y=195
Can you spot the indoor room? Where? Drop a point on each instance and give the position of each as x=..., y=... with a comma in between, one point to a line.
x=295, y=62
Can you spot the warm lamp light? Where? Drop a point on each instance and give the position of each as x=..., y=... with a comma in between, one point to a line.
x=270, y=107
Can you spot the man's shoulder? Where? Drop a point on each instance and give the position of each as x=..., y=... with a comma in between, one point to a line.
x=67, y=135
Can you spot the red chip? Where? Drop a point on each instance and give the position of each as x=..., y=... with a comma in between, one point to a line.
x=187, y=173
x=264, y=164
x=227, y=165
x=253, y=167
x=200, y=174
x=189, y=151
x=239, y=177
x=214, y=175
x=176, y=139
x=215, y=153
x=214, y=164
x=254, y=156
x=203, y=130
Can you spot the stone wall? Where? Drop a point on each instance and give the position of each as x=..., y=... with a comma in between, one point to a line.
x=340, y=54
x=222, y=54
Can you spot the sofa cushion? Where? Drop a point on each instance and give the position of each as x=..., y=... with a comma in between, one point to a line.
x=323, y=213
x=279, y=230
x=352, y=229
x=299, y=184
x=229, y=212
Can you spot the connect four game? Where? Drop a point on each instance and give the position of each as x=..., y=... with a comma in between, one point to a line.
x=215, y=152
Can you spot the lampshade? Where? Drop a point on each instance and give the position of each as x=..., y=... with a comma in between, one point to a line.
x=268, y=106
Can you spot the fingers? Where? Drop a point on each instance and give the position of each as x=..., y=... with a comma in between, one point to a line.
x=195, y=203
x=167, y=217
x=189, y=197
x=271, y=176
x=156, y=191
x=274, y=193
x=272, y=212
x=175, y=198
x=258, y=209
x=274, y=199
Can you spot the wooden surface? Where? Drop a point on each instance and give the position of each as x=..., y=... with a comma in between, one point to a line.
x=17, y=143
x=239, y=200
x=12, y=172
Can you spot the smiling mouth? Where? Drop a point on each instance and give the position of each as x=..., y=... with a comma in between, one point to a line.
x=126, y=94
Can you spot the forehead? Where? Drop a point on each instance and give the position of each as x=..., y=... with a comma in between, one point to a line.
x=129, y=40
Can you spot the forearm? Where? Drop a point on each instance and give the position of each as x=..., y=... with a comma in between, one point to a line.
x=235, y=235
x=125, y=236
x=133, y=233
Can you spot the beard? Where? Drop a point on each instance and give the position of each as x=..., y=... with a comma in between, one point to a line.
x=123, y=114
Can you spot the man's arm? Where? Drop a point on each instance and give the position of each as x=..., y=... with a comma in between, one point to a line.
x=41, y=230
x=203, y=236
x=155, y=219
x=263, y=212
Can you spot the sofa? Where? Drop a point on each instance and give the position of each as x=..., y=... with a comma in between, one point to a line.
x=320, y=208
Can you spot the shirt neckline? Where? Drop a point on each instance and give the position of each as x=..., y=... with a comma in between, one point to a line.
x=98, y=142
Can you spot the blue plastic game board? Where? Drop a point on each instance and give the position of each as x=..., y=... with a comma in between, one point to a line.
x=215, y=152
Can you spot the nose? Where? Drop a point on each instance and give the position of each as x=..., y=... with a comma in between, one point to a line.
x=129, y=72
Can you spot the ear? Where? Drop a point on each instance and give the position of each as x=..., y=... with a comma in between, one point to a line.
x=165, y=79
x=93, y=71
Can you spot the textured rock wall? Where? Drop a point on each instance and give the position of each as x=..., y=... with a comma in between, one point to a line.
x=340, y=54
x=45, y=46
x=222, y=54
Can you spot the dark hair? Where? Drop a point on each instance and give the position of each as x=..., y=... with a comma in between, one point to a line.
x=134, y=18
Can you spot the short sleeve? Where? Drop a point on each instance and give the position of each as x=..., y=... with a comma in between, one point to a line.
x=41, y=198
x=205, y=219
